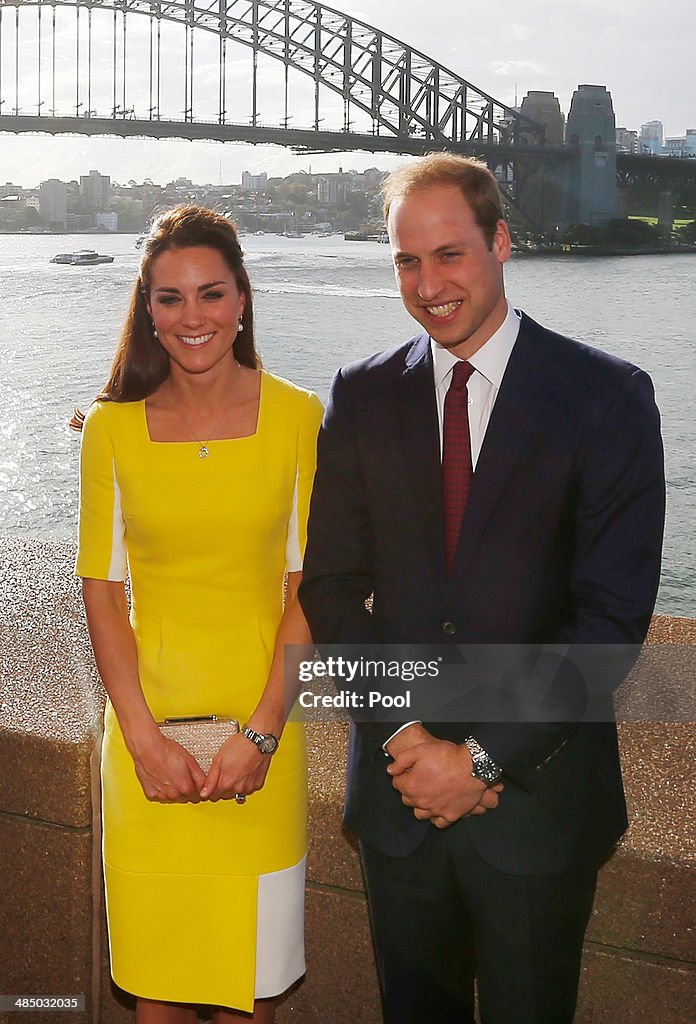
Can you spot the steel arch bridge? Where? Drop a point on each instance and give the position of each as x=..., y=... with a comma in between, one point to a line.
x=111, y=67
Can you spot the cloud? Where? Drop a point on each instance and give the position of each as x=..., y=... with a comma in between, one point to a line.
x=516, y=67
x=521, y=33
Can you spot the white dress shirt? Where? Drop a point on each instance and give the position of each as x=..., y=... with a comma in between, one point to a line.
x=489, y=363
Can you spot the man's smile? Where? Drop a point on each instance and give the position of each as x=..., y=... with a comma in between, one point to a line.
x=445, y=309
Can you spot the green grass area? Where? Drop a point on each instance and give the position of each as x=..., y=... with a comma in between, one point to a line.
x=653, y=220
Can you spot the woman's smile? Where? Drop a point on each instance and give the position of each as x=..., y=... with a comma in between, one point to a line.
x=199, y=339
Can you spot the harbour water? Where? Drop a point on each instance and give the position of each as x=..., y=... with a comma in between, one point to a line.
x=319, y=302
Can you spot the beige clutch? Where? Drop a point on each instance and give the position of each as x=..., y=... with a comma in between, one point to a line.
x=201, y=735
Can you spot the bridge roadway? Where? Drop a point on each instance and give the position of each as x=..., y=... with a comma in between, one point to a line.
x=671, y=171
x=301, y=140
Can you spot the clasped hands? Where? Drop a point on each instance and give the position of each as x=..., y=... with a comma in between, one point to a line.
x=170, y=774
x=434, y=778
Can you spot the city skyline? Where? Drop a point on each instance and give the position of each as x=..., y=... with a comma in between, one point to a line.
x=505, y=51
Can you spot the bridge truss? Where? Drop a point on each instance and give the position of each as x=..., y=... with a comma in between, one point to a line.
x=152, y=67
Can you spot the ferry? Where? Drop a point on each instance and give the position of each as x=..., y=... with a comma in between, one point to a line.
x=82, y=258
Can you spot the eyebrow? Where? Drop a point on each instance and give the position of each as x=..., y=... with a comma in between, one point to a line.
x=441, y=248
x=201, y=288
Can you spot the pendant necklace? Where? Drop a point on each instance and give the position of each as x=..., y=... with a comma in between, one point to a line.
x=203, y=450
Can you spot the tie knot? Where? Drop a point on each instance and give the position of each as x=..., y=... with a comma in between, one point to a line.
x=460, y=375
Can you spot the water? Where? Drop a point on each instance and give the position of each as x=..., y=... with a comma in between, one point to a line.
x=319, y=302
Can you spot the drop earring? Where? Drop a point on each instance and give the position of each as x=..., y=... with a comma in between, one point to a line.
x=240, y=326
x=154, y=329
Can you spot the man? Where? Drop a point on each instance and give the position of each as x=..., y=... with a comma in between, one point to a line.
x=489, y=482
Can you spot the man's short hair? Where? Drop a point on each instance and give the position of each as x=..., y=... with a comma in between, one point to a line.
x=476, y=181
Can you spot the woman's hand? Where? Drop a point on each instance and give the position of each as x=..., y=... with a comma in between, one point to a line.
x=168, y=773
x=238, y=768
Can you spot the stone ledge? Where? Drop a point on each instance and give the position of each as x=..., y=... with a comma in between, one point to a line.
x=50, y=693
x=45, y=912
x=639, y=954
x=616, y=988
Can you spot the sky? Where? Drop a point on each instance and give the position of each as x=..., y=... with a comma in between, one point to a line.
x=640, y=49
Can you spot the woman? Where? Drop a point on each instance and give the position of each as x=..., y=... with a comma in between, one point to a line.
x=196, y=473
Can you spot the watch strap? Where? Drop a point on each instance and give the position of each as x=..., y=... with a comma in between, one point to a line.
x=483, y=766
x=265, y=741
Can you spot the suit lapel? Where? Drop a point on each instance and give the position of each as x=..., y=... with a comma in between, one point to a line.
x=417, y=413
x=513, y=430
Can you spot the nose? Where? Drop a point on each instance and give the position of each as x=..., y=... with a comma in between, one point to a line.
x=193, y=314
x=429, y=281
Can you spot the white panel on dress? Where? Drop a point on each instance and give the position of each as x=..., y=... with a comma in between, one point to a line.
x=280, y=956
x=293, y=553
x=118, y=567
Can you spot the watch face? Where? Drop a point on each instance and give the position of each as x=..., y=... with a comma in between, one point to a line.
x=268, y=744
x=485, y=770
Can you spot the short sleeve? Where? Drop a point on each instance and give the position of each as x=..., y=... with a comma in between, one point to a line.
x=101, y=551
x=310, y=421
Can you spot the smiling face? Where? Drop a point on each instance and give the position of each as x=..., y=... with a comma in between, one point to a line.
x=450, y=281
x=196, y=305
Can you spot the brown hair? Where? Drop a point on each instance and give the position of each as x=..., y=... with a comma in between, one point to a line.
x=141, y=364
x=476, y=182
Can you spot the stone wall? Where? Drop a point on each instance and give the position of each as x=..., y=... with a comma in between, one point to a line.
x=639, y=954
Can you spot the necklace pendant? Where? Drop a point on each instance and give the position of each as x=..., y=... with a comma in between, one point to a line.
x=203, y=452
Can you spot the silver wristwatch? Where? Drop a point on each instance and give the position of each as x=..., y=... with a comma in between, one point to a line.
x=483, y=766
x=265, y=741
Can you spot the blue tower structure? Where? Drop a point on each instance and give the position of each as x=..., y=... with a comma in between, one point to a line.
x=542, y=197
x=591, y=130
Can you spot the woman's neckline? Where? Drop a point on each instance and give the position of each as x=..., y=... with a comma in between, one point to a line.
x=214, y=440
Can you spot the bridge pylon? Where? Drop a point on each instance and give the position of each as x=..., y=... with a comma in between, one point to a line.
x=591, y=132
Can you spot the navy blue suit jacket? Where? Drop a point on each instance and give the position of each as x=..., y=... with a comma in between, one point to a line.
x=560, y=543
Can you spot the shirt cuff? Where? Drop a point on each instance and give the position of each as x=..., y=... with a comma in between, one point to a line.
x=396, y=733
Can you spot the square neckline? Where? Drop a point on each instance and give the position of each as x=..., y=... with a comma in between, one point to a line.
x=215, y=440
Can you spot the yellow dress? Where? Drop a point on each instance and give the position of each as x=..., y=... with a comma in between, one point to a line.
x=204, y=901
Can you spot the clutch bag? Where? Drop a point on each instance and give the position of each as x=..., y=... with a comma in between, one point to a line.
x=201, y=735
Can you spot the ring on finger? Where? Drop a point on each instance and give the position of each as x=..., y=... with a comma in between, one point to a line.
x=240, y=798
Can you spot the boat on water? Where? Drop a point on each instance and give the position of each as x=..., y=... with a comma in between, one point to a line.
x=363, y=236
x=82, y=258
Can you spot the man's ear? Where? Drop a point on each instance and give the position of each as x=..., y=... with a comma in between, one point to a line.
x=502, y=244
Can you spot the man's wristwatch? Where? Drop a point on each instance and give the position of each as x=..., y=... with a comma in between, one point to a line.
x=265, y=741
x=483, y=767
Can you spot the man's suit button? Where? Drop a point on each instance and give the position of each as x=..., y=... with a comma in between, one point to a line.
x=448, y=628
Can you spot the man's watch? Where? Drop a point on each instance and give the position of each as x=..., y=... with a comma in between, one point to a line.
x=483, y=766
x=265, y=741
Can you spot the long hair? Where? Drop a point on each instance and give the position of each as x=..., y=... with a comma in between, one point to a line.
x=141, y=364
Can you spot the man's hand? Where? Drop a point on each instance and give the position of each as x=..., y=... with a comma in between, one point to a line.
x=434, y=777
x=408, y=737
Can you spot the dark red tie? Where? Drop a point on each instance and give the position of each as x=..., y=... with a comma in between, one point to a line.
x=457, y=468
